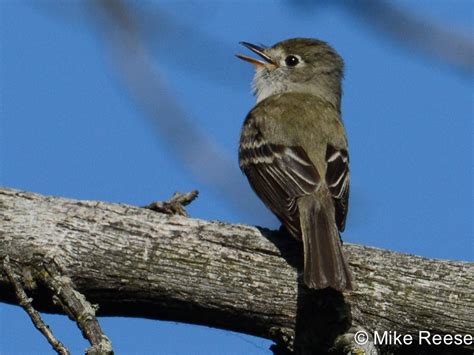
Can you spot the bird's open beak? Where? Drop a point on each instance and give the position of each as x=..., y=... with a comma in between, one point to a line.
x=260, y=51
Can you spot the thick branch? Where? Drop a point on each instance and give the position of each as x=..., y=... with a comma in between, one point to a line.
x=229, y=276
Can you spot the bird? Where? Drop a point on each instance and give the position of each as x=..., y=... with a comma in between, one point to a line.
x=294, y=151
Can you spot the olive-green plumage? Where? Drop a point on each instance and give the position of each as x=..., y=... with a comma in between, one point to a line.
x=288, y=119
x=293, y=149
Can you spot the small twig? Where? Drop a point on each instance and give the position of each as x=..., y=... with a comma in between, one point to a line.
x=25, y=302
x=175, y=205
x=76, y=307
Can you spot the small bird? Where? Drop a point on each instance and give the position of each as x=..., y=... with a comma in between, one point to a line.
x=293, y=150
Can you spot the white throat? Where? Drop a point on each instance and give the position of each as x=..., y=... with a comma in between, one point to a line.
x=264, y=86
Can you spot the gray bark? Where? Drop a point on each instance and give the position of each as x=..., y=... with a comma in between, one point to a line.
x=136, y=262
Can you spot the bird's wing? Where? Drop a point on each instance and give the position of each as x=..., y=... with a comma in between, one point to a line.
x=279, y=175
x=337, y=180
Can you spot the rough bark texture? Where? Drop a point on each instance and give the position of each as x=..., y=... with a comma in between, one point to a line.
x=135, y=262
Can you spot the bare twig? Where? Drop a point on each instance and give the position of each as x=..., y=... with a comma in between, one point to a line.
x=35, y=317
x=175, y=205
x=76, y=307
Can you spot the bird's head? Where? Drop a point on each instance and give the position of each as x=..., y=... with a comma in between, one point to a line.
x=297, y=65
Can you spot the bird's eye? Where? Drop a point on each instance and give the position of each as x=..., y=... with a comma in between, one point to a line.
x=291, y=61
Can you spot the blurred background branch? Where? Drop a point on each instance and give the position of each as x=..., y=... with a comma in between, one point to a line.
x=136, y=68
x=449, y=45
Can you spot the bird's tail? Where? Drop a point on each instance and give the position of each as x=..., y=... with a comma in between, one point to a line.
x=324, y=262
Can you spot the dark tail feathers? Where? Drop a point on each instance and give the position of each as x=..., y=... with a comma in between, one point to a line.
x=324, y=262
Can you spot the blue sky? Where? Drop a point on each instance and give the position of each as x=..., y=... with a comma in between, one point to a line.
x=69, y=128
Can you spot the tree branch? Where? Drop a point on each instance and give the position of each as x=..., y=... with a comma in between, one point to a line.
x=75, y=305
x=35, y=317
x=234, y=277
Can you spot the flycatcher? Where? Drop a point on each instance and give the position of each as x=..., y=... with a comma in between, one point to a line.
x=293, y=150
